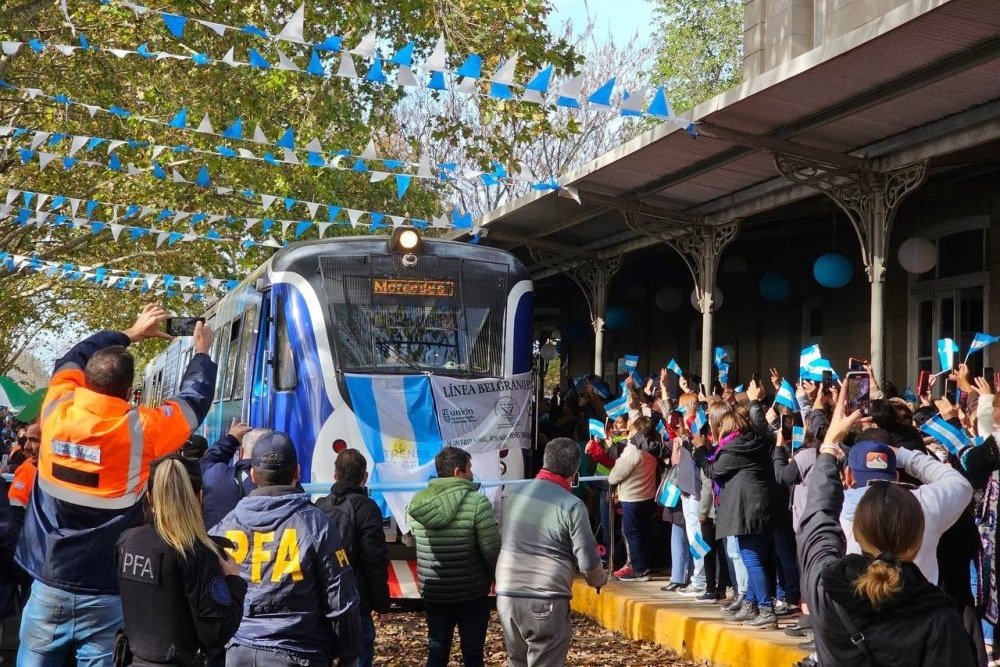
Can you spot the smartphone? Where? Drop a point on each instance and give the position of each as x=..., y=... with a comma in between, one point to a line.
x=858, y=394
x=182, y=326
x=701, y=388
x=755, y=377
x=990, y=377
x=827, y=380
x=923, y=383
x=949, y=389
x=855, y=365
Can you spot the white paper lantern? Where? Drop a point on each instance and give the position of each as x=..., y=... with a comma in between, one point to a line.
x=668, y=298
x=917, y=255
x=716, y=300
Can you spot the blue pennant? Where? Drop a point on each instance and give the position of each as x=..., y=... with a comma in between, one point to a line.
x=315, y=65
x=461, y=220
x=114, y=163
x=234, y=131
x=659, y=107
x=94, y=143
x=287, y=139
x=376, y=222
x=225, y=151
x=269, y=158
x=437, y=81
x=254, y=30
x=61, y=98
x=257, y=60
x=212, y=234
x=501, y=91
x=602, y=96
x=472, y=67
x=332, y=212
x=25, y=154
x=158, y=171
x=315, y=160
x=69, y=162
x=132, y=210
x=302, y=227
x=404, y=56
x=203, y=181
x=143, y=50
x=175, y=24
x=91, y=207
x=289, y=203
x=266, y=224
x=118, y=111
x=331, y=43
x=375, y=73
x=36, y=45
x=402, y=185
x=359, y=166
x=200, y=59
x=540, y=83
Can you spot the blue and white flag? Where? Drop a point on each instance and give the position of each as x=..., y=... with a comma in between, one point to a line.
x=814, y=371
x=699, y=547
x=798, y=437
x=617, y=408
x=786, y=396
x=631, y=361
x=674, y=367
x=947, y=348
x=597, y=429
x=739, y=388
x=981, y=341
x=669, y=496
x=953, y=438
x=661, y=428
x=720, y=356
x=724, y=373
x=700, y=419
x=809, y=355
x=909, y=396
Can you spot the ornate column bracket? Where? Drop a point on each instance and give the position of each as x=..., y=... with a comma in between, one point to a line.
x=869, y=198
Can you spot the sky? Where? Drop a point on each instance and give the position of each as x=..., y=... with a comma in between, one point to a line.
x=620, y=18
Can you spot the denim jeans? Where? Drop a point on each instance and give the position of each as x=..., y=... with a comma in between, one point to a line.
x=692, y=526
x=753, y=551
x=367, y=640
x=788, y=567
x=471, y=617
x=56, y=624
x=738, y=570
x=635, y=525
x=680, y=555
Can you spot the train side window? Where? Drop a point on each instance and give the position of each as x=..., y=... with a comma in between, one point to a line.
x=249, y=334
x=285, y=376
x=233, y=358
x=222, y=346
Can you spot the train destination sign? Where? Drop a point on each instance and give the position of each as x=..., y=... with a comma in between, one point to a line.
x=395, y=287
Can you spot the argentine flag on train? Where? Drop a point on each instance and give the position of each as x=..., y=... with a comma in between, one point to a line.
x=981, y=340
x=947, y=348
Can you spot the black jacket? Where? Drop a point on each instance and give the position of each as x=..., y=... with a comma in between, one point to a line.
x=369, y=555
x=917, y=627
x=175, y=607
x=748, y=501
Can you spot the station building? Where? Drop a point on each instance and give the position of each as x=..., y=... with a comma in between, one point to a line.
x=865, y=130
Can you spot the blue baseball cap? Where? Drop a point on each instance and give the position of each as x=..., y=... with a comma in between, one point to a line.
x=870, y=460
x=274, y=451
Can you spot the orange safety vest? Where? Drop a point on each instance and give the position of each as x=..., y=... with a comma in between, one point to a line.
x=96, y=449
x=24, y=480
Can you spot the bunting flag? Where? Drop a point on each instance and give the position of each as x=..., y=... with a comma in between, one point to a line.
x=798, y=437
x=597, y=429
x=502, y=85
x=952, y=437
x=786, y=396
x=947, y=348
x=617, y=408
x=674, y=367
x=980, y=342
x=194, y=288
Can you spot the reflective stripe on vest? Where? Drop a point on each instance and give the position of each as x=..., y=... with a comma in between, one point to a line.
x=186, y=410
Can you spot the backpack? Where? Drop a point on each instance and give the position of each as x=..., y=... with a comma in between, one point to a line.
x=342, y=516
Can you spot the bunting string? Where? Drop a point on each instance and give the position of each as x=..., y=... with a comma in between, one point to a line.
x=286, y=146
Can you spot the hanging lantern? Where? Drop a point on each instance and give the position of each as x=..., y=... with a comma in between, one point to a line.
x=716, y=300
x=833, y=270
x=774, y=287
x=917, y=255
x=616, y=317
x=668, y=298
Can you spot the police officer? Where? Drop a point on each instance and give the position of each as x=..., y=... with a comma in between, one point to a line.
x=182, y=597
x=302, y=606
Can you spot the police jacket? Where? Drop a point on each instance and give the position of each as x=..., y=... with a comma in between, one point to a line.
x=368, y=551
x=93, y=465
x=174, y=606
x=302, y=599
x=223, y=483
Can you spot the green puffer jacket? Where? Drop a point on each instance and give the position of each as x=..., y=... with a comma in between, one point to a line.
x=458, y=541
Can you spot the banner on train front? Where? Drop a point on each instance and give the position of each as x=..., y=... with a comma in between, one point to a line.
x=484, y=415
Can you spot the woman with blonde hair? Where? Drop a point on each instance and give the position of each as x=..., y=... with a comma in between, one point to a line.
x=875, y=608
x=182, y=596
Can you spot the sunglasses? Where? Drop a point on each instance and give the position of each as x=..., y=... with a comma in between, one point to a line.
x=905, y=485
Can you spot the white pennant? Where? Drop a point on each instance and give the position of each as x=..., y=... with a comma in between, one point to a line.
x=178, y=178
x=115, y=230
x=11, y=48
x=285, y=63
x=114, y=144
x=186, y=297
x=44, y=159
x=33, y=92
x=439, y=221
x=230, y=58
x=65, y=49
x=369, y=152
x=38, y=139
x=354, y=216
x=323, y=226
x=74, y=204
x=223, y=191
x=120, y=53
x=91, y=109
x=206, y=125
x=572, y=88
x=467, y=86
x=271, y=243
x=378, y=176
x=161, y=238
x=218, y=28
x=285, y=224
x=636, y=101
x=258, y=135
x=40, y=201
x=406, y=78
x=290, y=156
x=312, y=207
x=346, y=68
x=424, y=168
x=138, y=9
x=12, y=195
x=77, y=144
x=505, y=74
x=397, y=220
x=250, y=223
x=181, y=215
x=246, y=153
x=314, y=146
x=151, y=279
x=438, y=60
x=293, y=30
x=267, y=200
x=157, y=150
x=366, y=48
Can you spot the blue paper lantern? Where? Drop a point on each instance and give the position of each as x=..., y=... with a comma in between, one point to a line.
x=774, y=287
x=616, y=317
x=833, y=270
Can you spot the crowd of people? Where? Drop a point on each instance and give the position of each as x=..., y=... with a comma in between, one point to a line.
x=874, y=528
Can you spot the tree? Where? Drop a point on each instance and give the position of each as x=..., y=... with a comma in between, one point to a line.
x=338, y=112
x=700, y=50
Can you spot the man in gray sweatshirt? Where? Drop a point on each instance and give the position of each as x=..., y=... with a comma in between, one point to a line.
x=546, y=538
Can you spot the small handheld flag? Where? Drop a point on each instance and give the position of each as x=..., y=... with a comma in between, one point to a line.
x=786, y=396
x=981, y=341
x=739, y=388
x=674, y=367
x=720, y=356
x=699, y=547
x=798, y=437
x=809, y=355
x=597, y=429
x=700, y=419
x=631, y=361
x=661, y=428
x=669, y=496
x=946, y=353
x=723, y=373
x=954, y=439
x=617, y=408
x=909, y=396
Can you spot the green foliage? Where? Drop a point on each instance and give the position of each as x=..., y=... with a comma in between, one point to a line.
x=340, y=113
x=700, y=49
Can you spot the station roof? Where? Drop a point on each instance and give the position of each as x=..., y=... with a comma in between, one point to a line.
x=920, y=82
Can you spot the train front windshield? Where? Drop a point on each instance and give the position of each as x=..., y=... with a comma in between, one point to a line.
x=443, y=315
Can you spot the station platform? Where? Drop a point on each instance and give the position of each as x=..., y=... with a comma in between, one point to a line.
x=640, y=610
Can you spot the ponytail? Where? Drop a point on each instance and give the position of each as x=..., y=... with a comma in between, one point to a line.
x=176, y=510
x=881, y=581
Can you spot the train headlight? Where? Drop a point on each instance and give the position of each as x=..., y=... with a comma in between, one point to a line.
x=406, y=240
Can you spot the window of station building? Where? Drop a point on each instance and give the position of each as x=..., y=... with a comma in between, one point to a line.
x=959, y=253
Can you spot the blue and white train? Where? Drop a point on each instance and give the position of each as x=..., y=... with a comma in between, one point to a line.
x=393, y=346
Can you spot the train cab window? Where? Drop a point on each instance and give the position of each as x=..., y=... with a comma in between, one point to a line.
x=248, y=334
x=221, y=348
x=285, y=375
x=233, y=362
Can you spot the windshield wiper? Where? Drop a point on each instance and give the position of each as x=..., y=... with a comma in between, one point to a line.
x=386, y=347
